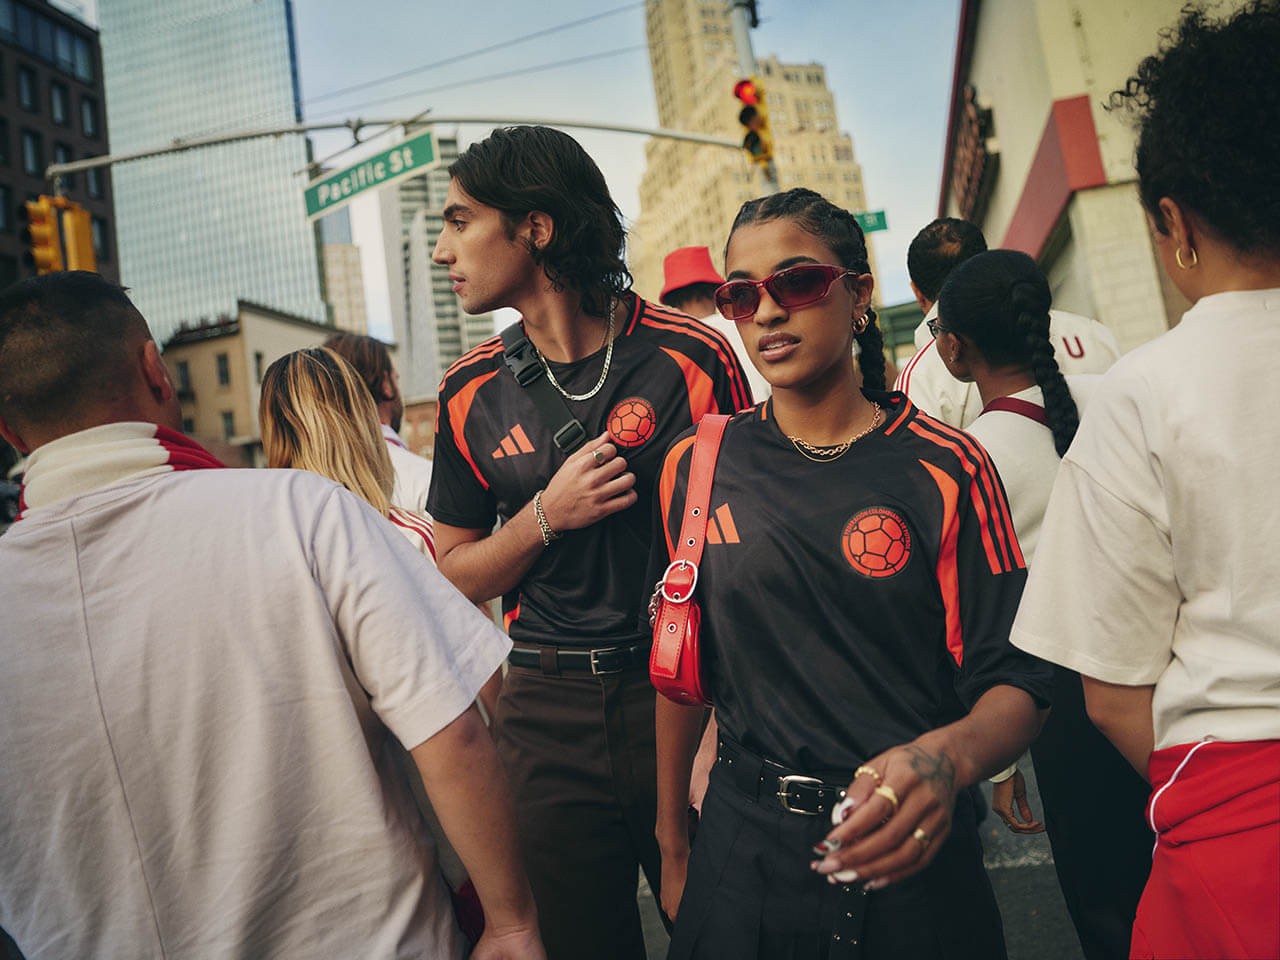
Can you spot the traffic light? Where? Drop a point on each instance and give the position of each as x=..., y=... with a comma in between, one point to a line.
x=754, y=116
x=77, y=233
x=44, y=242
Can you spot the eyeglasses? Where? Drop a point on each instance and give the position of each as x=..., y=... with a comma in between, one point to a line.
x=936, y=328
x=793, y=287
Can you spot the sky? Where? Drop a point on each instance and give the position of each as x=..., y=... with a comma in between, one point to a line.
x=888, y=64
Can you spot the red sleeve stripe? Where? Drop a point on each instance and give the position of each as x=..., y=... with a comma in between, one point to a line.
x=459, y=407
x=663, y=319
x=699, y=387
x=901, y=411
x=667, y=488
x=510, y=617
x=948, y=575
x=634, y=320
x=992, y=485
x=484, y=351
x=903, y=382
x=995, y=523
x=420, y=526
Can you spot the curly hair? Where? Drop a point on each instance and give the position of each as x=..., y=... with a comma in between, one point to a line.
x=317, y=415
x=1000, y=301
x=838, y=229
x=1206, y=107
x=517, y=170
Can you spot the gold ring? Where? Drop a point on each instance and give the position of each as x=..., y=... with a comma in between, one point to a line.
x=868, y=772
x=599, y=457
x=886, y=791
x=922, y=838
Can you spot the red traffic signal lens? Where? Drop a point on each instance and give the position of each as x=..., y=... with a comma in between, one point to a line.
x=745, y=90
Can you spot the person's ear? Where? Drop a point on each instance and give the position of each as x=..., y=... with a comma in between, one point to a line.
x=925, y=302
x=541, y=229
x=155, y=374
x=1180, y=228
x=14, y=438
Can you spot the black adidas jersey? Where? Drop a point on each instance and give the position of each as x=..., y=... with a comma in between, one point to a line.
x=494, y=451
x=852, y=605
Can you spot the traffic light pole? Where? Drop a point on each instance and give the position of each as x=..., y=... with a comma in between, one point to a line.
x=742, y=18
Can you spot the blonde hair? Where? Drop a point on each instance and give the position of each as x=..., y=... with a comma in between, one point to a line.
x=317, y=415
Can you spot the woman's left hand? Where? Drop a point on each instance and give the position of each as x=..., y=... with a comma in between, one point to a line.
x=897, y=813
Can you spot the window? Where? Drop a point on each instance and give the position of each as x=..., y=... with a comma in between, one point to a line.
x=62, y=55
x=6, y=19
x=93, y=177
x=62, y=154
x=26, y=28
x=27, y=89
x=44, y=39
x=32, y=153
x=83, y=60
x=257, y=366
x=59, y=104
x=89, y=116
x=224, y=371
x=228, y=424
x=98, y=230
x=184, y=376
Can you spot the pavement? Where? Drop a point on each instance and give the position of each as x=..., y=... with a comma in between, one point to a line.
x=1036, y=923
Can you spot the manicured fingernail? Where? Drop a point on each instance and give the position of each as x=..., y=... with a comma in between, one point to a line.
x=846, y=876
x=831, y=879
x=840, y=812
x=814, y=864
x=874, y=885
x=822, y=848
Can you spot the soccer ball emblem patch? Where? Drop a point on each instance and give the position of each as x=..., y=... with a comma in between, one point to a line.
x=877, y=543
x=632, y=422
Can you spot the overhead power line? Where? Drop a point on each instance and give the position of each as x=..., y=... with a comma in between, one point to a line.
x=472, y=53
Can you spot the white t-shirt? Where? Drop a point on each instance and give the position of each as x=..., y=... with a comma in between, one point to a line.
x=1157, y=561
x=760, y=389
x=413, y=474
x=202, y=673
x=1025, y=457
x=1080, y=345
x=418, y=530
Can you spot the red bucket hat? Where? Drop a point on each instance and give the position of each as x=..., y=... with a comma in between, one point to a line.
x=687, y=265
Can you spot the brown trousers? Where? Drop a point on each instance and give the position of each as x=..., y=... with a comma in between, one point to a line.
x=580, y=754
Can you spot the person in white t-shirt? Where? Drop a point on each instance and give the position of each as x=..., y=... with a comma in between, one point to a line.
x=992, y=332
x=372, y=361
x=689, y=282
x=208, y=671
x=1157, y=573
x=1081, y=345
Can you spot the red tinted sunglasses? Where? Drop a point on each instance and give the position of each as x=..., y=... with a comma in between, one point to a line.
x=793, y=287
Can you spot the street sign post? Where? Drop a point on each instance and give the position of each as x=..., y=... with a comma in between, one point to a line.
x=335, y=190
x=871, y=220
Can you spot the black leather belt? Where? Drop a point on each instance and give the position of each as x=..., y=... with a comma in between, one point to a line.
x=599, y=661
x=769, y=783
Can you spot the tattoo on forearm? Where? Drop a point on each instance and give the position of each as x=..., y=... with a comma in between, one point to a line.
x=936, y=770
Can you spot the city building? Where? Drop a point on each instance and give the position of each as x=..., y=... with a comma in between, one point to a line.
x=217, y=366
x=1033, y=156
x=52, y=107
x=429, y=325
x=343, y=276
x=690, y=193
x=202, y=229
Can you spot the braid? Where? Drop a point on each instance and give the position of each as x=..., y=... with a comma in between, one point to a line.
x=871, y=353
x=1033, y=323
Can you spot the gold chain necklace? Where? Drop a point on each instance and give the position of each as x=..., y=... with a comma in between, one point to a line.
x=608, y=358
x=820, y=454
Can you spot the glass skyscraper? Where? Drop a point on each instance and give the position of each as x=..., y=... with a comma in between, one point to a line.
x=200, y=229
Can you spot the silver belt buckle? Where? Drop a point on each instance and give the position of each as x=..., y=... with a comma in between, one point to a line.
x=783, y=795
x=596, y=669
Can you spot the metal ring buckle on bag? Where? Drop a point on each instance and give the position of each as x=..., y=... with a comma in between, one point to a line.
x=662, y=587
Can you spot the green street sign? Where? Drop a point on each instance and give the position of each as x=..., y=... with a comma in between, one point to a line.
x=405, y=159
x=871, y=221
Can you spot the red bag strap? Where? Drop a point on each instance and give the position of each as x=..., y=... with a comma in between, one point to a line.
x=1024, y=408
x=706, y=449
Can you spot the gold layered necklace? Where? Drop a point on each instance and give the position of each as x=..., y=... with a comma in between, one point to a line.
x=826, y=454
x=607, y=343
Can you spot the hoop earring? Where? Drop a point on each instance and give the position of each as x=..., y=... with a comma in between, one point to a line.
x=1195, y=258
x=859, y=326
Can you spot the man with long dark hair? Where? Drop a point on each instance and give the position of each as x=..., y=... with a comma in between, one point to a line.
x=529, y=224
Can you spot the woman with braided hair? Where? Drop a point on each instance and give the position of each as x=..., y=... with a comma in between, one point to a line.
x=993, y=331
x=856, y=591
x=1157, y=568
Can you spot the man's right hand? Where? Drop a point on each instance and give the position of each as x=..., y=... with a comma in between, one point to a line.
x=520, y=943
x=591, y=485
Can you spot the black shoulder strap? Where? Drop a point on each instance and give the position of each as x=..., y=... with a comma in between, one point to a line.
x=521, y=358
